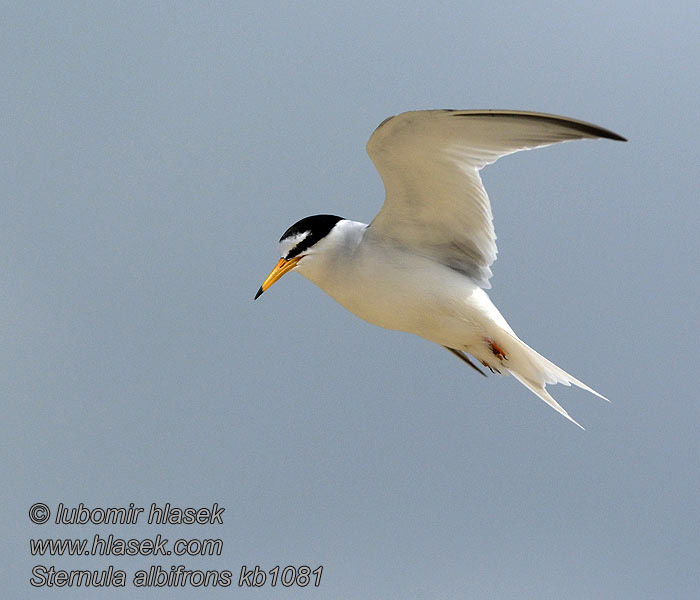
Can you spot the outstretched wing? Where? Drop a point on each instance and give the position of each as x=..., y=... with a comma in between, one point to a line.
x=436, y=204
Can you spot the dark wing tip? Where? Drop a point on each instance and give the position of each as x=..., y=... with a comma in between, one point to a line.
x=617, y=137
x=384, y=122
x=463, y=357
x=582, y=126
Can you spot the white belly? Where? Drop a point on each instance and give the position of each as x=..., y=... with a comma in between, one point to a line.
x=394, y=290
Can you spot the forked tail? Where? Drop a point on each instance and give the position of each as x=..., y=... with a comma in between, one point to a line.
x=534, y=371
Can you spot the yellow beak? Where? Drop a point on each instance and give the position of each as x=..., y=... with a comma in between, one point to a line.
x=282, y=267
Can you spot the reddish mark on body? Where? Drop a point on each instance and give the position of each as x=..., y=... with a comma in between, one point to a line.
x=497, y=350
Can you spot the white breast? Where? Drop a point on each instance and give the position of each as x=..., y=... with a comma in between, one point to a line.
x=395, y=289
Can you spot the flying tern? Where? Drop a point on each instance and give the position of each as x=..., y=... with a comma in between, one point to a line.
x=423, y=263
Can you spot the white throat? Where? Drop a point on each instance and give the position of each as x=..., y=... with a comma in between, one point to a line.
x=332, y=254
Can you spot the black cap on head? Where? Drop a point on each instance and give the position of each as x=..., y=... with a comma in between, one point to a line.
x=309, y=231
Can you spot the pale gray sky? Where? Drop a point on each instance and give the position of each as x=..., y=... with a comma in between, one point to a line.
x=152, y=154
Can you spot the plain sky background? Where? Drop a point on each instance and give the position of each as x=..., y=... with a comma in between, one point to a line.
x=153, y=153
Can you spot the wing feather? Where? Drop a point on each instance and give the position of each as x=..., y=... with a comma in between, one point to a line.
x=429, y=161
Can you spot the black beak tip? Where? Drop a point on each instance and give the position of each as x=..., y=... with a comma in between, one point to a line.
x=260, y=291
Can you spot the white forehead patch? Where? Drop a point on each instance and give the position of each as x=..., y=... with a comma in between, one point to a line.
x=289, y=243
